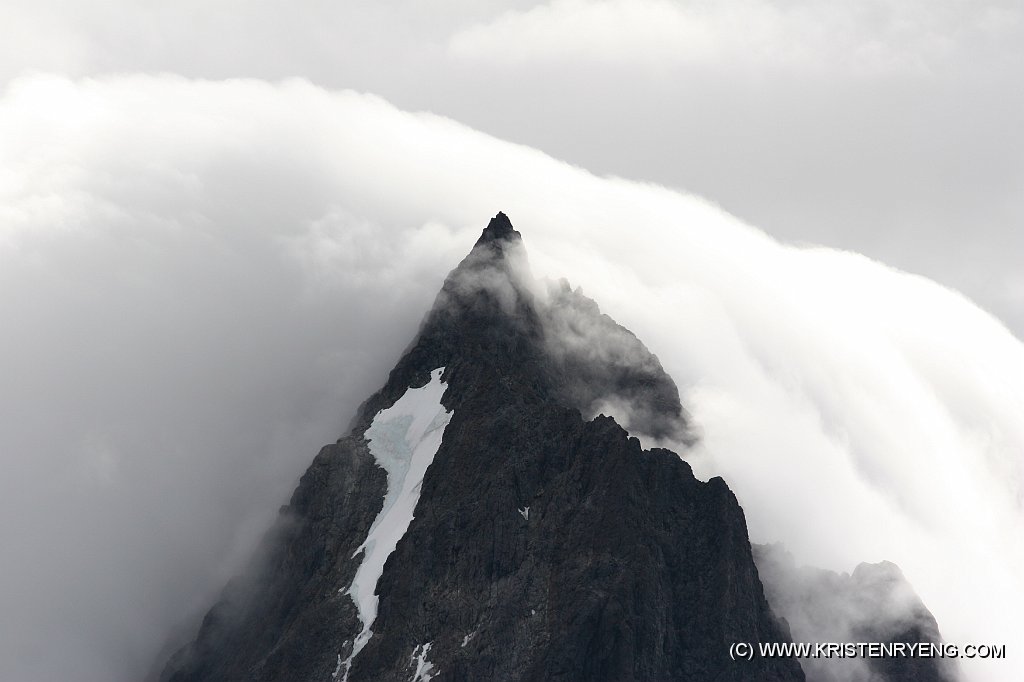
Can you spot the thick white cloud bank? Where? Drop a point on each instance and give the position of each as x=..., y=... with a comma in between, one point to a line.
x=200, y=280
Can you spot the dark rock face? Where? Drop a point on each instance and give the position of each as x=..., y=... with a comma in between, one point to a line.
x=544, y=545
x=602, y=367
x=873, y=604
x=277, y=622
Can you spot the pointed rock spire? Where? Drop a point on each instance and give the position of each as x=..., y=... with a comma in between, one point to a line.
x=499, y=230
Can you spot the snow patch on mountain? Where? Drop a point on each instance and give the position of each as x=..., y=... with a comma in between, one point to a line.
x=424, y=669
x=403, y=439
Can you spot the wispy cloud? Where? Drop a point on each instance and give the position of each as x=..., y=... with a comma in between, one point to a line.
x=877, y=36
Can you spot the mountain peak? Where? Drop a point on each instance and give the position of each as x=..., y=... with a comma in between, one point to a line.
x=528, y=537
x=499, y=230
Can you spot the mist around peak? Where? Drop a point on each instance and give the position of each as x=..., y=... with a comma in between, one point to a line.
x=599, y=366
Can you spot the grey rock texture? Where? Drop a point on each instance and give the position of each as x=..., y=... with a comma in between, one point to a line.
x=873, y=604
x=546, y=544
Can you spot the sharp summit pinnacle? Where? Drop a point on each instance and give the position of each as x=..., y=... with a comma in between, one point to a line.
x=499, y=229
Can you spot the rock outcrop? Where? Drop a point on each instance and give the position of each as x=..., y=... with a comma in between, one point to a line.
x=875, y=604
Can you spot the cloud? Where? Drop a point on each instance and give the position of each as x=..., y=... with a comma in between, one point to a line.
x=877, y=36
x=200, y=280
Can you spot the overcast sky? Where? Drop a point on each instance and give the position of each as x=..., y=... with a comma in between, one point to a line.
x=212, y=249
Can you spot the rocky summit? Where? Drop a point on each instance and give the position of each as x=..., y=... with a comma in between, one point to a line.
x=487, y=518
x=875, y=603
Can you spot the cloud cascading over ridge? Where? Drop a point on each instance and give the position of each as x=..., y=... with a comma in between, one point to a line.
x=201, y=279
